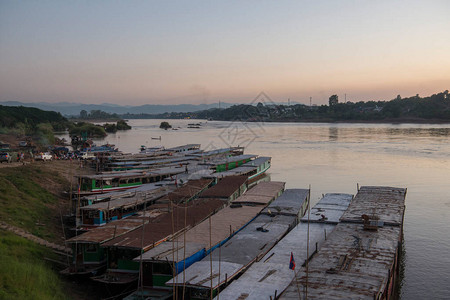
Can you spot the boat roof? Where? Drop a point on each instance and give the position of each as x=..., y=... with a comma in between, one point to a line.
x=262, y=193
x=191, y=189
x=387, y=203
x=225, y=187
x=154, y=161
x=220, y=225
x=332, y=206
x=187, y=146
x=141, y=189
x=214, y=152
x=250, y=243
x=290, y=203
x=110, y=176
x=124, y=202
x=164, y=226
x=369, y=255
x=257, y=161
x=134, y=174
x=171, y=251
x=244, y=168
x=230, y=159
x=187, y=191
x=271, y=273
x=117, y=228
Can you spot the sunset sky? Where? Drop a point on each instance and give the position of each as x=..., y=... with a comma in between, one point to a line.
x=173, y=52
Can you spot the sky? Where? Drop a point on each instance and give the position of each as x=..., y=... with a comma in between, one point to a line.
x=179, y=52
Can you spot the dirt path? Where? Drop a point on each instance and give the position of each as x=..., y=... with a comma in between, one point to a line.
x=20, y=232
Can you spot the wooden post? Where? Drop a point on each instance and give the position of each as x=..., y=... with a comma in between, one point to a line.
x=210, y=259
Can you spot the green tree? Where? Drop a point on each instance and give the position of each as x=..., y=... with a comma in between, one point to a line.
x=83, y=114
x=165, y=125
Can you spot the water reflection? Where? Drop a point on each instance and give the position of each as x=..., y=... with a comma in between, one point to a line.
x=333, y=134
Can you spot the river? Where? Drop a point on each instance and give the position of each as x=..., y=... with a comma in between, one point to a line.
x=337, y=157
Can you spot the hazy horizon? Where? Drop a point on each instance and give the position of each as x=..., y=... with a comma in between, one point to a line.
x=192, y=52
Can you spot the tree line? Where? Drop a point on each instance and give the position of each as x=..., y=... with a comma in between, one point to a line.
x=411, y=109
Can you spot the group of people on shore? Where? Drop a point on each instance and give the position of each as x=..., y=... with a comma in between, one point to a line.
x=20, y=157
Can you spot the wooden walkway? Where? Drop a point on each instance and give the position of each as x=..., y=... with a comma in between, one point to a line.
x=31, y=237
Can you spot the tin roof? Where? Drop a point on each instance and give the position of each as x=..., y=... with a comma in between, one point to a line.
x=167, y=224
x=234, y=172
x=142, y=189
x=271, y=273
x=187, y=146
x=225, y=187
x=257, y=161
x=262, y=193
x=230, y=159
x=222, y=224
x=112, y=175
x=214, y=152
x=249, y=244
x=289, y=203
x=170, y=251
x=243, y=169
x=133, y=174
x=329, y=209
x=352, y=264
x=387, y=203
x=124, y=202
x=117, y=228
x=154, y=161
x=187, y=191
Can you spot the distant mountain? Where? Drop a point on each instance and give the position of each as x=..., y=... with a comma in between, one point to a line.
x=73, y=109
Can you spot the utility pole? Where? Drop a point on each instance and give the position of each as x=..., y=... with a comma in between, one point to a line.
x=345, y=98
x=310, y=102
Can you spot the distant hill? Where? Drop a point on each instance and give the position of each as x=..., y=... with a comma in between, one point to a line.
x=73, y=109
x=11, y=116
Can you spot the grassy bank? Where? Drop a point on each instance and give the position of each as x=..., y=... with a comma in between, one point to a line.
x=24, y=274
x=26, y=200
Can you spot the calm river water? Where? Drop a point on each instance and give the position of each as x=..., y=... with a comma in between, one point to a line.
x=334, y=158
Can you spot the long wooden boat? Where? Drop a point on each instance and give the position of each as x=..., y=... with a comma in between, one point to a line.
x=136, y=243
x=247, y=246
x=361, y=258
x=271, y=272
x=161, y=263
x=253, y=169
x=103, y=183
x=88, y=255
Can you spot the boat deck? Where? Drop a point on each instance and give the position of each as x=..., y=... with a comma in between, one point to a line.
x=248, y=245
x=357, y=262
x=271, y=273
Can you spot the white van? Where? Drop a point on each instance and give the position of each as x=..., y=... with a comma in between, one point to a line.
x=87, y=155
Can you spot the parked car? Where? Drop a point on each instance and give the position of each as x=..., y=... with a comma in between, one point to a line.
x=87, y=155
x=5, y=156
x=23, y=144
x=44, y=156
